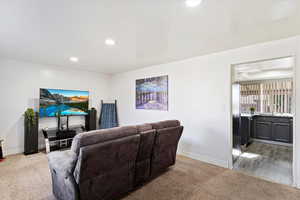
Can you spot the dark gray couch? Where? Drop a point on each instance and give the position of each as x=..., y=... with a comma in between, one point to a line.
x=106, y=164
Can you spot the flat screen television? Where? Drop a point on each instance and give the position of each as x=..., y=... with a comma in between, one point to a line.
x=64, y=102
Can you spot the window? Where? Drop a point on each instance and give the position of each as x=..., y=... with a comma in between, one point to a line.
x=267, y=96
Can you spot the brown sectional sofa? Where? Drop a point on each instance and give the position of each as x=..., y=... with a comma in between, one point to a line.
x=106, y=164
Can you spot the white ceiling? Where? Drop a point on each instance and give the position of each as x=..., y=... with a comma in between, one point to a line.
x=146, y=32
x=280, y=68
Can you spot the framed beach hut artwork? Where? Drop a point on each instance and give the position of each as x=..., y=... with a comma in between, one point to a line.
x=152, y=93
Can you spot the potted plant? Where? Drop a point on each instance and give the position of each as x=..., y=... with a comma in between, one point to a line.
x=30, y=116
x=30, y=131
x=252, y=110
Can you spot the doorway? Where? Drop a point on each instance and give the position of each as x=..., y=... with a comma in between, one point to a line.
x=262, y=119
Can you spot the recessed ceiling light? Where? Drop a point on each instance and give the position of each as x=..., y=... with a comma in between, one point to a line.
x=74, y=59
x=192, y=3
x=110, y=42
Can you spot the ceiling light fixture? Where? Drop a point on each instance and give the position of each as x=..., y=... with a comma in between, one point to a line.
x=74, y=59
x=110, y=42
x=192, y=3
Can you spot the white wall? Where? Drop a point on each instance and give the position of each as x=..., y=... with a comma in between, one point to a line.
x=199, y=96
x=19, y=90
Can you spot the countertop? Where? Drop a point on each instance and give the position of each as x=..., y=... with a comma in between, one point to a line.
x=266, y=115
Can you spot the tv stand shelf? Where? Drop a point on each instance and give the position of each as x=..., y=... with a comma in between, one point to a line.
x=62, y=139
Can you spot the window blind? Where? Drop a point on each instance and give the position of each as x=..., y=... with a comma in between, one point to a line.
x=267, y=96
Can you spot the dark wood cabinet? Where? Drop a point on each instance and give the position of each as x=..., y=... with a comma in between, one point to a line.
x=279, y=129
x=263, y=130
x=282, y=132
x=246, y=129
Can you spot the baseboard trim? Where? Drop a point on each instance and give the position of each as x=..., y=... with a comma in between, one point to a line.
x=205, y=158
x=12, y=151
x=273, y=142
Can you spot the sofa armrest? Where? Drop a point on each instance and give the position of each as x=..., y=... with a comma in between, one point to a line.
x=61, y=166
x=62, y=162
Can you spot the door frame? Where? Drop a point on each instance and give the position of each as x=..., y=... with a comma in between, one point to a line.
x=295, y=154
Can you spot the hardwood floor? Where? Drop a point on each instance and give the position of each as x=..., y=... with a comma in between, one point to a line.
x=268, y=161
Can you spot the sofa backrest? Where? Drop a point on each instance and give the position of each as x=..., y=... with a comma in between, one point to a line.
x=147, y=134
x=106, y=162
x=143, y=161
x=165, y=124
x=107, y=170
x=167, y=137
x=144, y=127
x=99, y=136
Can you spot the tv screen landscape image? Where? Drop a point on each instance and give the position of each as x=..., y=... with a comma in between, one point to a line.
x=65, y=102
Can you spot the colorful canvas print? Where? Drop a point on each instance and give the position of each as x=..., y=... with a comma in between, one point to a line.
x=63, y=102
x=152, y=93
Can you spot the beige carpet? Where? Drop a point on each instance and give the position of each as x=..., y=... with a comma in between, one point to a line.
x=28, y=178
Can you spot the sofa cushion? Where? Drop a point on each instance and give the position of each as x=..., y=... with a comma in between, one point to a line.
x=99, y=136
x=165, y=124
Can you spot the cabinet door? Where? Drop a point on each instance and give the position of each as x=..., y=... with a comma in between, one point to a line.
x=281, y=132
x=263, y=130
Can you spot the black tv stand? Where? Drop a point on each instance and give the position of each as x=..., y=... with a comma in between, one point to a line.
x=58, y=138
x=59, y=123
x=65, y=134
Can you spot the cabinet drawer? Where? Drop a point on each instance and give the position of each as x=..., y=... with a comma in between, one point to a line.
x=263, y=119
x=282, y=120
x=274, y=119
